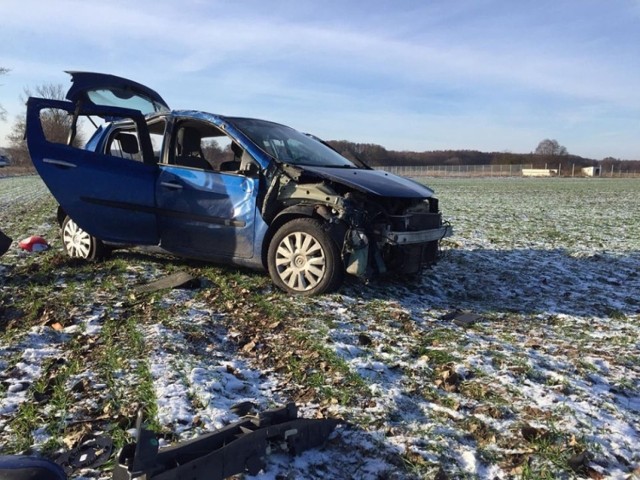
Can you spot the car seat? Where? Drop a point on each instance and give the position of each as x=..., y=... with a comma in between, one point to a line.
x=189, y=149
x=232, y=165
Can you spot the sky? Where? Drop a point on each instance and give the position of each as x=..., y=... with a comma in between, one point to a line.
x=488, y=75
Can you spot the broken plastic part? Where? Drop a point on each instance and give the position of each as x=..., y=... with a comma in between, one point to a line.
x=238, y=448
x=89, y=453
x=33, y=244
x=357, y=243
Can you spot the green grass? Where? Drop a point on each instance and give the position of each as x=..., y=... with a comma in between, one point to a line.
x=551, y=221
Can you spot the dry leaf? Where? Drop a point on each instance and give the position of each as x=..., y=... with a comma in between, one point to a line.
x=71, y=439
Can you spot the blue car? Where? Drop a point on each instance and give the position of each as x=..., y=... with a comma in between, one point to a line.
x=225, y=189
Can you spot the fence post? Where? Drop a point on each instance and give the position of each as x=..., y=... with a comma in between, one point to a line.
x=573, y=169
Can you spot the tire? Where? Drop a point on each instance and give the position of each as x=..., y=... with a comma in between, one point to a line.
x=79, y=244
x=303, y=259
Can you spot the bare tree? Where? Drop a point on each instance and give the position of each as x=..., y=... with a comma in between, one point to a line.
x=551, y=148
x=55, y=123
x=3, y=112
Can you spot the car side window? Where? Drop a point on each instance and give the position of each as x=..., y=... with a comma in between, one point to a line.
x=203, y=146
x=187, y=148
x=57, y=125
x=125, y=143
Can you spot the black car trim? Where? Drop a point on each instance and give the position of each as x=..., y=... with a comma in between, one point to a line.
x=165, y=212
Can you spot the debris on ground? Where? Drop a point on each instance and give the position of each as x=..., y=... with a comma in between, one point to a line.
x=467, y=319
x=34, y=243
x=175, y=280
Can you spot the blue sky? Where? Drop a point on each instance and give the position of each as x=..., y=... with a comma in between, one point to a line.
x=490, y=75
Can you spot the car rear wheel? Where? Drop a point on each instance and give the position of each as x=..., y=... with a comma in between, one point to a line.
x=79, y=244
x=303, y=259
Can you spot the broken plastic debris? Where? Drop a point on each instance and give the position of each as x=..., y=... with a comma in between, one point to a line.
x=34, y=243
x=466, y=319
x=237, y=448
x=91, y=451
x=175, y=280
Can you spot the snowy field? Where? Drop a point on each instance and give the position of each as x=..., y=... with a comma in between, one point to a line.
x=540, y=380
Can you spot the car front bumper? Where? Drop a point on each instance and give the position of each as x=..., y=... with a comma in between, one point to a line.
x=422, y=236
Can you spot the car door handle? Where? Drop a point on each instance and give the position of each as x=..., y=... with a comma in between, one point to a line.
x=171, y=185
x=59, y=163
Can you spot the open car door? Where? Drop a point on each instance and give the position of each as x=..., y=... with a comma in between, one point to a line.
x=110, y=197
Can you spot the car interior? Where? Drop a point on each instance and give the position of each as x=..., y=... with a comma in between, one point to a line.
x=188, y=149
x=125, y=145
x=196, y=145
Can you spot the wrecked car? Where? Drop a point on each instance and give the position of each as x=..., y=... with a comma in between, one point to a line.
x=227, y=189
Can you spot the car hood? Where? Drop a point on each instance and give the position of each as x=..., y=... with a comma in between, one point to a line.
x=376, y=182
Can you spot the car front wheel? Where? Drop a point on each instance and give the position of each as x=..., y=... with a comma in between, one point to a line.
x=79, y=244
x=303, y=259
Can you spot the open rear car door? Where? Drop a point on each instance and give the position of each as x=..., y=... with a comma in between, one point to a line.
x=110, y=197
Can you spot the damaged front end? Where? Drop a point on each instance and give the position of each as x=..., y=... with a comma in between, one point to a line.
x=377, y=234
x=397, y=235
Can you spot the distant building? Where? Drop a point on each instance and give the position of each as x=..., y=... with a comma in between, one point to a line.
x=592, y=171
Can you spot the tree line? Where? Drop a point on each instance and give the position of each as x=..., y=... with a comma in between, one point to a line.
x=377, y=156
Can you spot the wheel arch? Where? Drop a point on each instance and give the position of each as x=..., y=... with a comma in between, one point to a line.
x=60, y=215
x=318, y=211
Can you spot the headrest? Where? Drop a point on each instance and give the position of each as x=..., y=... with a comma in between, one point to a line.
x=128, y=142
x=188, y=141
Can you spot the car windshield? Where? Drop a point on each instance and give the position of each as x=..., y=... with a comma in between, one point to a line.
x=290, y=146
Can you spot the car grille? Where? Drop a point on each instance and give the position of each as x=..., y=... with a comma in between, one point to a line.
x=415, y=222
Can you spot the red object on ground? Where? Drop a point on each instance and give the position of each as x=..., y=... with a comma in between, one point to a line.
x=34, y=244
